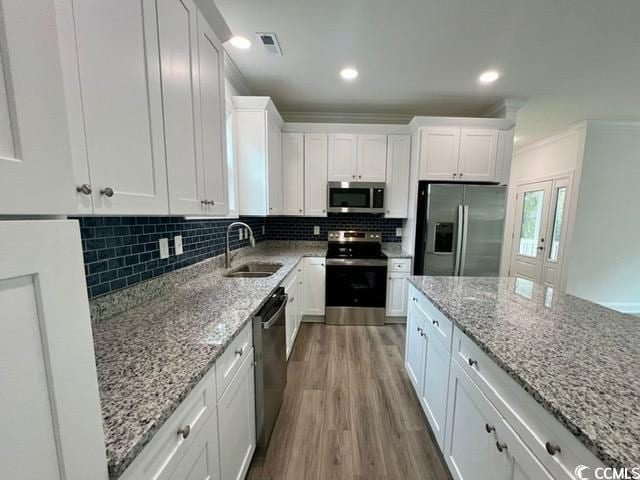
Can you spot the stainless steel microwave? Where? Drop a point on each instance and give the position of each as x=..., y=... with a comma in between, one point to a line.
x=355, y=197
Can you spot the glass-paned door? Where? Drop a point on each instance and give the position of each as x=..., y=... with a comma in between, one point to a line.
x=555, y=233
x=530, y=230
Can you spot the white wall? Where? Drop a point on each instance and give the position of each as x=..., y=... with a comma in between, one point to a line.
x=554, y=157
x=604, y=263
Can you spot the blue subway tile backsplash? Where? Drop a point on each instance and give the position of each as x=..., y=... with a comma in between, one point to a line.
x=301, y=228
x=122, y=251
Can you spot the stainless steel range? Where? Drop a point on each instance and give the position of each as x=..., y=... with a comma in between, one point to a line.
x=356, y=279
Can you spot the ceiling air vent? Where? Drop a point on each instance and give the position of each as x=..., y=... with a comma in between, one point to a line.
x=269, y=42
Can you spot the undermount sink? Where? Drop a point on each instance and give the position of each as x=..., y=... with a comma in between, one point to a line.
x=254, y=270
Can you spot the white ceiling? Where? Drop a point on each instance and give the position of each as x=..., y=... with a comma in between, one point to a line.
x=571, y=59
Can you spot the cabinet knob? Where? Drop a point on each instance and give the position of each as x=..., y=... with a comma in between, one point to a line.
x=422, y=334
x=204, y=202
x=359, y=176
x=324, y=211
x=107, y=192
x=455, y=175
x=353, y=176
x=461, y=175
x=473, y=362
x=552, y=449
x=211, y=202
x=185, y=431
x=240, y=351
x=489, y=428
x=435, y=322
x=300, y=210
x=418, y=329
x=414, y=299
x=501, y=446
x=84, y=188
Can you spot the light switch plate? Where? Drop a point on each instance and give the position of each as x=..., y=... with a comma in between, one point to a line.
x=398, y=232
x=177, y=244
x=164, y=247
x=316, y=230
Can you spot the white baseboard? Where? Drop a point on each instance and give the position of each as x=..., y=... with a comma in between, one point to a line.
x=632, y=307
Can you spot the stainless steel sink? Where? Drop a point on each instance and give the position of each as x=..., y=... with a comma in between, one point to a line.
x=254, y=270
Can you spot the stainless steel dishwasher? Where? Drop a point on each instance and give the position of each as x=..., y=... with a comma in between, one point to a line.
x=271, y=365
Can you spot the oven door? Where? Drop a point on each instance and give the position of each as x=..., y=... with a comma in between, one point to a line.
x=356, y=292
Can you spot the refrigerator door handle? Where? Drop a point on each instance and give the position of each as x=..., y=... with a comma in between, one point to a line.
x=465, y=225
x=460, y=232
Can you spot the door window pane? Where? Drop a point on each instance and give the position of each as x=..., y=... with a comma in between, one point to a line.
x=531, y=218
x=557, y=223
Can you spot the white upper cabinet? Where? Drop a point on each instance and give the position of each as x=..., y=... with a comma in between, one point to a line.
x=343, y=157
x=258, y=127
x=292, y=174
x=460, y=154
x=315, y=174
x=212, y=114
x=398, y=164
x=439, y=152
x=178, y=34
x=372, y=158
x=36, y=173
x=478, y=153
x=274, y=166
x=119, y=76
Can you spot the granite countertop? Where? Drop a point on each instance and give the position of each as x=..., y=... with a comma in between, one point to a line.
x=151, y=356
x=394, y=250
x=579, y=360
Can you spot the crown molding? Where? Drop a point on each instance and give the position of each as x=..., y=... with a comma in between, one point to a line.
x=358, y=118
x=478, y=122
x=577, y=128
x=612, y=124
x=353, y=128
x=258, y=104
x=505, y=108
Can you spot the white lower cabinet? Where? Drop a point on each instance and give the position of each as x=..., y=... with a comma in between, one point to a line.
x=201, y=461
x=237, y=423
x=314, y=285
x=399, y=270
x=212, y=433
x=291, y=313
x=486, y=425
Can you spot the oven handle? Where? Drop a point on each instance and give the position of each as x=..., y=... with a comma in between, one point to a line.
x=356, y=262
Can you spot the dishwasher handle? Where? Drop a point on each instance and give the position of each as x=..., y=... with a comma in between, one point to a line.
x=269, y=323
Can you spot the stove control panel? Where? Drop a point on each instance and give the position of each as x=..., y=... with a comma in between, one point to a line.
x=354, y=236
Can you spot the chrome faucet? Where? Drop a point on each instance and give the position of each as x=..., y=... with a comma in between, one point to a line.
x=227, y=252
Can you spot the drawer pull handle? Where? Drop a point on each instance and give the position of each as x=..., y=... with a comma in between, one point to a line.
x=240, y=351
x=552, y=449
x=489, y=428
x=473, y=362
x=435, y=322
x=185, y=431
x=501, y=446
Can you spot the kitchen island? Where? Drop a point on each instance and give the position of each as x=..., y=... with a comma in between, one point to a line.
x=576, y=359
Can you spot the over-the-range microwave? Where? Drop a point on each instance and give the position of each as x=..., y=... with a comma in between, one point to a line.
x=355, y=197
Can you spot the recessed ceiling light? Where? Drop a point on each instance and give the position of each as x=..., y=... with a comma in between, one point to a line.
x=489, y=76
x=348, y=73
x=240, y=42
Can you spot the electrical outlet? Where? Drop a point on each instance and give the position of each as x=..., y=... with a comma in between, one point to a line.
x=177, y=244
x=164, y=247
x=316, y=230
x=398, y=232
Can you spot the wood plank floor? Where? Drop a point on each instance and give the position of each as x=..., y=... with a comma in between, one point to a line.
x=349, y=411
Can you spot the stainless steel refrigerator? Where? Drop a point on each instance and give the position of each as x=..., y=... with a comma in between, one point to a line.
x=459, y=230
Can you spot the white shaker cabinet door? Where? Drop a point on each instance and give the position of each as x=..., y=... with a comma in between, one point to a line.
x=439, y=153
x=478, y=154
x=314, y=285
x=397, y=188
x=36, y=173
x=237, y=423
x=372, y=158
x=292, y=173
x=49, y=404
x=213, y=116
x=343, y=159
x=474, y=439
x=315, y=174
x=415, y=346
x=397, y=294
x=122, y=104
x=274, y=167
x=178, y=35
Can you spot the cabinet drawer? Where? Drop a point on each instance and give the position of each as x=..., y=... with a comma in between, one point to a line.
x=160, y=457
x=399, y=265
x=529, y=420
x=441, y=324
x=231, y=359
